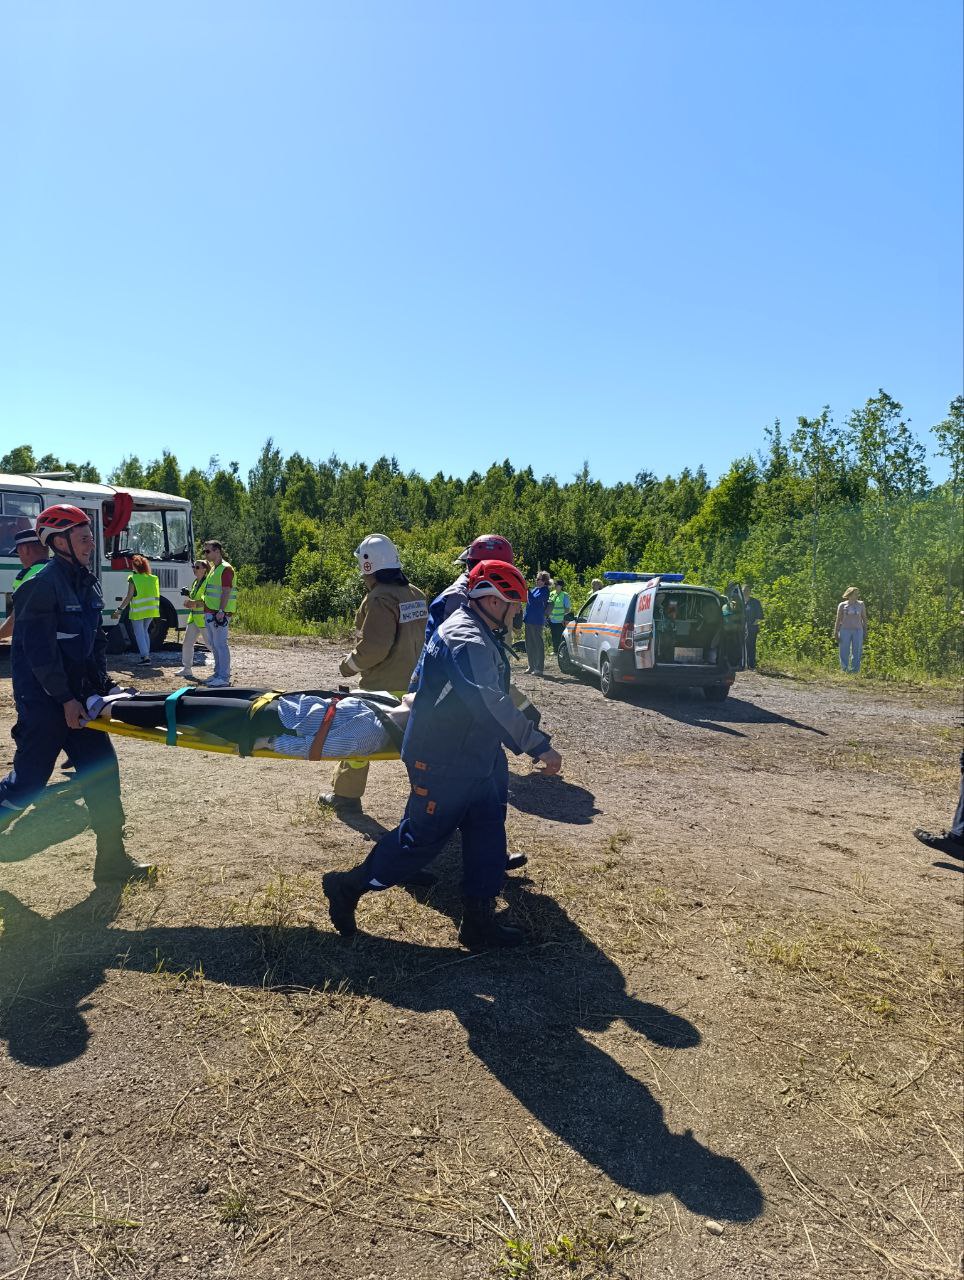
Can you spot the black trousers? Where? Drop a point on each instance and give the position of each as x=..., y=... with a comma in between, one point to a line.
x=751, y=635
x=40, y=735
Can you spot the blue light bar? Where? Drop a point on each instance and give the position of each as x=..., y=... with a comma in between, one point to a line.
x=613, y=576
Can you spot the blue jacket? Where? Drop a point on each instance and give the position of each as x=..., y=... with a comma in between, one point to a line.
x=59, y=648
x=463, y=715
x=537, y=608
x=445, y=604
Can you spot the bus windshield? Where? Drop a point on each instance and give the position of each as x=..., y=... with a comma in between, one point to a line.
x=158, y=535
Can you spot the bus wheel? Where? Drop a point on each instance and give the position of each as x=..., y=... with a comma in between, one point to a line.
x=160, y=626
x=117, y=639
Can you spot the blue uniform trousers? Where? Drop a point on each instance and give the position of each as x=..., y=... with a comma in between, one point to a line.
x=436, y=808
x=40, y=735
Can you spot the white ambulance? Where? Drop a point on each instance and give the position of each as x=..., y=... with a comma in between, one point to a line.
x=125, y=522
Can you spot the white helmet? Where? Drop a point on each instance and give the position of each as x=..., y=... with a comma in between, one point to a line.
x=377, y=552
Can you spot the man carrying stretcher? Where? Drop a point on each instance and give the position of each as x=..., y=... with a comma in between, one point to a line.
x=58, y=661
x=461, y=717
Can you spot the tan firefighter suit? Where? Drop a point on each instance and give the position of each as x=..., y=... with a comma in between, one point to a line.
x=391, y=631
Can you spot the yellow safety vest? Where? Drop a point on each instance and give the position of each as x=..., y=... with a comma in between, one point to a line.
x=212, y=590
x=561, y=604
x=196, y=593
x=34, y=569
x=147, y=596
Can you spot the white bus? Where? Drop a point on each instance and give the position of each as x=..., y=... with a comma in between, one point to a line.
x=125, y=522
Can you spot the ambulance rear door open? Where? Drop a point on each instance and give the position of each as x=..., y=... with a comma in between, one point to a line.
x=644, y=643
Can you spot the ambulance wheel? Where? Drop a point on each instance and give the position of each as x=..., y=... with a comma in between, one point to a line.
x=607, y=680
x=716, y=692
x=566, y=665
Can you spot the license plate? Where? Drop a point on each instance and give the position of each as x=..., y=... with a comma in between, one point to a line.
x=688, y=655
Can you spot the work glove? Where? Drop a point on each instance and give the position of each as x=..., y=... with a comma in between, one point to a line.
x=347, y=666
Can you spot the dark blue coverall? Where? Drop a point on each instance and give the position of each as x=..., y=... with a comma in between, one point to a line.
x=58, y=654
x=461, y=718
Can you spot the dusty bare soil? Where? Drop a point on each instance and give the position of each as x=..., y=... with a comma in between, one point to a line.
x=732, y=1048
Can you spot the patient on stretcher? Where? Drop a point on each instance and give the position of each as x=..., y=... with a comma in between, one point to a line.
x=308, y=725
x=355, y=730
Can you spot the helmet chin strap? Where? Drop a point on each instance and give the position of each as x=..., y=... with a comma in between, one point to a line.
x=72, y=556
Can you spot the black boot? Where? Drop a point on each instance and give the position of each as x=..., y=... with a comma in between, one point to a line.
x=481, y=930
x=343, y=889
x=340, y=804
x=113, y=865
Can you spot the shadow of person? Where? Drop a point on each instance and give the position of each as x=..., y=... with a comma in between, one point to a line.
x=58, y=815
x=364, y=823
x=553, y=798
x=525, y=1016
x=50, y=967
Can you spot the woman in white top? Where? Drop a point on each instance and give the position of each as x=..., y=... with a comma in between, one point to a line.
x=850, y=629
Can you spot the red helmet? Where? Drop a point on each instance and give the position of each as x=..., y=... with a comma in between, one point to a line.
x=59, y=519
x=488, y=546
x=496, y=578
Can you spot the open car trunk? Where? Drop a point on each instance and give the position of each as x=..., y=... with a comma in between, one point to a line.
x=698, y=629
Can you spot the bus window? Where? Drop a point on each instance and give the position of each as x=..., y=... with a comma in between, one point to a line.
x=178, y=546
x=19, y=511
x=145, y=534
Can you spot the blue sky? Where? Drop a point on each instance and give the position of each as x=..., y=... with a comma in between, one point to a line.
x=455, y=232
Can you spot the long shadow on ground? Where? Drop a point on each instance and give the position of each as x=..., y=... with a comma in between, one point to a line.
x=555, y=798
x=689, y=706
x=524, y=1014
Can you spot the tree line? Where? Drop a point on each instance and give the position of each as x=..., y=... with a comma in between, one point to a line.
x=823, y=506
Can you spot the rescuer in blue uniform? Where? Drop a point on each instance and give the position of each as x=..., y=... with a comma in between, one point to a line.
x=487, y=546
x=57, y=663
x=461, y=718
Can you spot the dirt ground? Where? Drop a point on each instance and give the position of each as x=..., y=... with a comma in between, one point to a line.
x=733, y=1047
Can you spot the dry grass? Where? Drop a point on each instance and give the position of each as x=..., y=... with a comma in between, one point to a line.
x=257, y=1101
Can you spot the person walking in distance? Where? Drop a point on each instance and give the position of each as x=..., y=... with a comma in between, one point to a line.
x=390, y=623
x=32, y=555
x=461, y=718
x=143, y=602
x=58, y=661
x=536, y=616
x=194, y=603
x=220, y=603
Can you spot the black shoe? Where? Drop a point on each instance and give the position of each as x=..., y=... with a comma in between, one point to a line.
x=120, y=868
x=481, y=930
x=941, y=842
x=343, y=889
x=340, y=804
x=513, y=861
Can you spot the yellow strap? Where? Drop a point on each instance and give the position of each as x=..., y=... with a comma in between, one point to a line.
x=262, y=701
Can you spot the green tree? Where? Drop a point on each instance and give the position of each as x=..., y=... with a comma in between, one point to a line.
x=950, y=443
x=19, y=461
